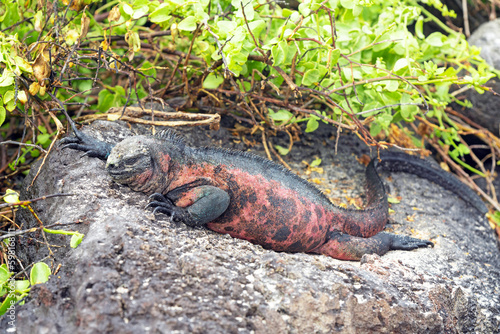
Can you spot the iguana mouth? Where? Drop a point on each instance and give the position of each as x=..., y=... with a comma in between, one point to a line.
x=116, y=174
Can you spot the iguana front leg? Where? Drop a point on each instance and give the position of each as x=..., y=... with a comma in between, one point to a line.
x=82, y=142
x=194, y=207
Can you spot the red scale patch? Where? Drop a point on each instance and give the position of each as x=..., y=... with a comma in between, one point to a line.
x=261, y=211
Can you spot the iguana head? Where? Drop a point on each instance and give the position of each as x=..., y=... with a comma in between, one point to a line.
x=144, y=162
x=128, y=159
x=134, y=162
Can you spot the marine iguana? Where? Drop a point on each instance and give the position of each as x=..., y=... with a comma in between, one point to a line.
x=251, y=198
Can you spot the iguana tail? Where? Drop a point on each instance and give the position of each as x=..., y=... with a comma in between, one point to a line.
x=401, y=162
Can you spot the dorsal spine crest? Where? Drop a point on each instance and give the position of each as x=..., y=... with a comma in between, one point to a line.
x=171, y=135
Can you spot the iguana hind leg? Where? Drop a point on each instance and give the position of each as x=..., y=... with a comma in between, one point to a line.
x=346, y=247
x=195, y=207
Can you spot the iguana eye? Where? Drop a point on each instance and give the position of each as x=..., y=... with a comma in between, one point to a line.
x=131, y=161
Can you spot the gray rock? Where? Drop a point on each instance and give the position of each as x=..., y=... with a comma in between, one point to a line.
x=486, y=110
x=136, y=274
x=487, y=37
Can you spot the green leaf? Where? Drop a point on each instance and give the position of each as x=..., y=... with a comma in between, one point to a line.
x=450, y=72
x=105, y=100
x=247, y=7
x=213, y=81
x=357, y=10
x=463, y=149
x=304, y=9
x=161, y=14
x=391, y=85
x=401, y=63
x=8, y=302
x=3, y=114
x=278, y=52
x=281, y=150
x=256, y=27
x=227, y=26
x=312, y=124
x=22, y=285
x=35, y=153
x=4, y=274
x=9, y=96
x=335, y=55
x=11, y=196
x=188, y=24
x=310, y=77
x=280, y=115
x=40, y=273
x=435, y=39
x=393, y=200
x=12, y=13
x=419, y=27
x=348, y=4
x=148, y=69
x=76, y=239
x=139, y=12
x=23, y=64
x=375, y=129
x=422, y=78
x=245, y=86
x=315, y=163
x=127, y=9
x=496, y=216
x=133, y=40
x=11, y=105
x=43, y=139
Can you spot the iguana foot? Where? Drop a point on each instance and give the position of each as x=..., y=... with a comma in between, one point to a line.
x=161, y=204
x=82, y=142
x=346, y=247
x=402, y=242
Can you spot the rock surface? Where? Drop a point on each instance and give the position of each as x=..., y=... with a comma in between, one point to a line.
x=486, y=107
x=487, y=37
x=136, y=274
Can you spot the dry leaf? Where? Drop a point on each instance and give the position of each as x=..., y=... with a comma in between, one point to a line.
x=114, y=14
x=41, y=69
x=34, y=88
x=85, y=26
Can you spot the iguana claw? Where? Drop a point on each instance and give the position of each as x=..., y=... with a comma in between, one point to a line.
x=161, y=204
x=82, y=142
x=400, y=242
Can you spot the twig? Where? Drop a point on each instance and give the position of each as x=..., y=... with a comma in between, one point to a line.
x=27, y=202
x=264, y=143
x=466, y=18
x=31, y=230
x=133, y=114
x=464, y=176
x=387, y=106
x=16, y=24
x=279, y=157
x=23, y=144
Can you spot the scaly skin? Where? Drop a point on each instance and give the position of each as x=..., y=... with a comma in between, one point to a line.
x=251, y=198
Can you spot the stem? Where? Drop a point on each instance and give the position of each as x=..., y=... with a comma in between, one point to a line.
x=472, y=169
x=438, y=22
x=46, y=230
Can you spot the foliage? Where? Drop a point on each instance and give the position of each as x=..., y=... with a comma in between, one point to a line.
x=13, y=291
x=364, y=65
x=12, y=197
